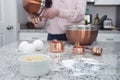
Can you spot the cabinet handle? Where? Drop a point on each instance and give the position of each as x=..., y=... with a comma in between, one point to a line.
x=110, y=39
x=35, y=38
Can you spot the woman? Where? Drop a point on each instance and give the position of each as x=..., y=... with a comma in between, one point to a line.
x=61, y=13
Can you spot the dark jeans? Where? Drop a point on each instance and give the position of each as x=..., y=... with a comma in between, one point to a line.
x=57, y=36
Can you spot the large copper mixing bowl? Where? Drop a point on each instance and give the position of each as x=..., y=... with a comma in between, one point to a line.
x=84, y=34
x=36, y=6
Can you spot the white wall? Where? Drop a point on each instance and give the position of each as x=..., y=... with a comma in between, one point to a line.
x=22, y=18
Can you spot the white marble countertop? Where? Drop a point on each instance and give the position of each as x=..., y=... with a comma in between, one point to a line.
x=44, y=31
x=80, y=67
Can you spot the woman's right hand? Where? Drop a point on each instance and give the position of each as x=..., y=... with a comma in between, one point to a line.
x=34, y=19
x=38, y=21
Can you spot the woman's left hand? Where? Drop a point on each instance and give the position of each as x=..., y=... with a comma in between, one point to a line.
x=50, y=13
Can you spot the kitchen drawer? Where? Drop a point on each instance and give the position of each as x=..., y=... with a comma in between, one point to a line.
x=32, y=36
x=109, y=37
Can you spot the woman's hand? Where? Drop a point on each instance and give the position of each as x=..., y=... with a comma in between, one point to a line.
x=50, y=13
x=34, y=19
x=38, y=21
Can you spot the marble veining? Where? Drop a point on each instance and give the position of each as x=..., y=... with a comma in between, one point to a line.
x=66, y=66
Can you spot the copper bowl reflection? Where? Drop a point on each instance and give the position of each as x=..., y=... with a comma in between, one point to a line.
x=84, y=34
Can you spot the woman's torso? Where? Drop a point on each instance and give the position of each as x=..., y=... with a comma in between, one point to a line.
x=57, y=25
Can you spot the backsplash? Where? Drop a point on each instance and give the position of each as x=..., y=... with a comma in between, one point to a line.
x=110, y=11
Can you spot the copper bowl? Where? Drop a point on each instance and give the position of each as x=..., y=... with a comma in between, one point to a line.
x=84, y=34
x=32, y=6
x=36, y=6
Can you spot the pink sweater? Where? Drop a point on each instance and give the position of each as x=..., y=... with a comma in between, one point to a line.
x=71, y=12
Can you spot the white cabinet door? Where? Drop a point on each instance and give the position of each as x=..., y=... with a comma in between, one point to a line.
x=108, y=37
x=8, y=20
x=107, y=2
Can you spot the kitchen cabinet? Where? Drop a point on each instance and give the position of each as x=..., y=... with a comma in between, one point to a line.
x=107, y=2
x=108, y=37
x=32, y=36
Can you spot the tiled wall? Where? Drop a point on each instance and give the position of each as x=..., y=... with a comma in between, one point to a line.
x=110, y=11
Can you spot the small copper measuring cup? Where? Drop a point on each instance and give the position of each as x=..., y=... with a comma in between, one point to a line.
x=56, y=46
x=77, y=49
x=97, y=50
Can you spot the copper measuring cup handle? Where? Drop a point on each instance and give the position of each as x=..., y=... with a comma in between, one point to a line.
x=88, y=48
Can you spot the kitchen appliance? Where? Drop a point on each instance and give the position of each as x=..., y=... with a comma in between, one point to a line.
x=88, y=18
x=108, y=24
x=84, y=34
x=36, y=6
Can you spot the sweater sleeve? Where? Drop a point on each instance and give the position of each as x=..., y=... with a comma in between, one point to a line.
x=74, y=15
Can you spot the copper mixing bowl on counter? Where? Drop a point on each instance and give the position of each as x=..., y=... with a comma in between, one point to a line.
x=84, y=34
